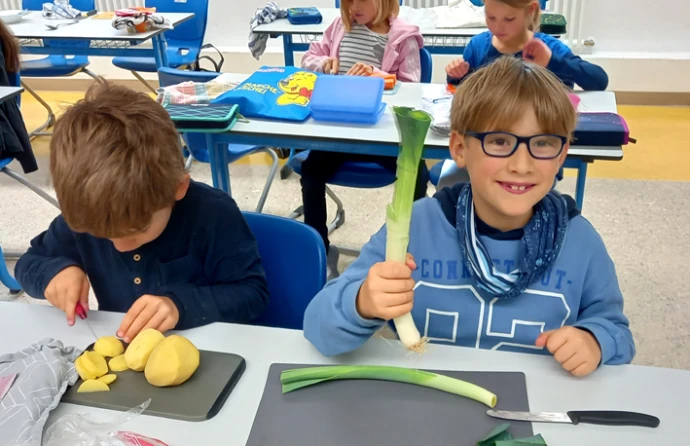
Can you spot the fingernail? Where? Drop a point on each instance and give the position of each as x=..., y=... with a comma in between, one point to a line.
x=126, y=340
x=120, y=334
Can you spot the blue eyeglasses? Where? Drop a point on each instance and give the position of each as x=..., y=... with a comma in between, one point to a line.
x=503, y=144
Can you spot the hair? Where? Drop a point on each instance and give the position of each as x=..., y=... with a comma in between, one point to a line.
x=10, y=48
x=535, y=20
x=385, y=9
x=115, y=159
x=494, y=98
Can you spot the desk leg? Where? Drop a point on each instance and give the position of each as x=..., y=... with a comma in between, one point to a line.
x=580, y=188
x=288, y=51
x=160, y=53
x=220, y=166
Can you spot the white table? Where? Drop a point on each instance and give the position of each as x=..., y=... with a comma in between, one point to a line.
x=9, y=92
x=436, y=40
x=382, y=138
x=664, y=393
x=105, y=40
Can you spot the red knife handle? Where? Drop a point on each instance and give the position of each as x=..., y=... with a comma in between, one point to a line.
x=613, y=418
x=80, y=310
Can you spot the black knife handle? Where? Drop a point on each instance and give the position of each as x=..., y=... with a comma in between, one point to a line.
x=613, y=418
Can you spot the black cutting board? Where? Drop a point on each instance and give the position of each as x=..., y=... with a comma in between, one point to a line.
x=198, y=399
x=379, y=413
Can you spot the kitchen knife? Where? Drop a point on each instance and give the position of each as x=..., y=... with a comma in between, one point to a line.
x=607, y=417
x=81, y=312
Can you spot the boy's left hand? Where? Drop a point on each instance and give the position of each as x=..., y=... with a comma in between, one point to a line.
x=538, y=52
x=149, y=311
x=360, y=69
x=575, y=349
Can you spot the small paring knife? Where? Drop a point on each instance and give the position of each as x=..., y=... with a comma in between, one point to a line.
x=605, y=417
x=81, y=312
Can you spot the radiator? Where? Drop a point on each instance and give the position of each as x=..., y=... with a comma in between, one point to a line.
x=425, y=3
x=112, y=5
x=10, y=4
x=573, y=11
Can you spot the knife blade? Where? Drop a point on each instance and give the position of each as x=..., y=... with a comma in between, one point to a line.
x=81, y=312
x=604, y=417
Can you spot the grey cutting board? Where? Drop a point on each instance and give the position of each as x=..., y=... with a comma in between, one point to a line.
x=379, y=413
x=198, y=399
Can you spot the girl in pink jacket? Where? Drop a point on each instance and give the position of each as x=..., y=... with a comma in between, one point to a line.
x=368, y=37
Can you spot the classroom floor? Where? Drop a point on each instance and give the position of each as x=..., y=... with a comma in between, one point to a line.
x=640, y=206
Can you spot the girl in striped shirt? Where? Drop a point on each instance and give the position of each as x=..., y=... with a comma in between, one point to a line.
x=368, y=37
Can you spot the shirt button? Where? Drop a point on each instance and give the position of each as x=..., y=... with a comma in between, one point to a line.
x=137, y=257
x=137, y=280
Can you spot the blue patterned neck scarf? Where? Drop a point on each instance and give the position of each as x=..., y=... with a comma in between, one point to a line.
x=543, y=238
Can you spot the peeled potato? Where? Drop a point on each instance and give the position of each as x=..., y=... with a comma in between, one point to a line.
x=107, y=379
x=84, y=374
x=93, y=385
x=138, y=352
x=172, y=363
x=118, y=364
x=94, y=364
x=109, y=346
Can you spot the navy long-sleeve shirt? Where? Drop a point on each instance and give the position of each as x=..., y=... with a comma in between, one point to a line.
x=571, y=69
x=206, y=261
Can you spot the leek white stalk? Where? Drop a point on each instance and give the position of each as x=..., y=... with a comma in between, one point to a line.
x=294, y=379
x=412, y=129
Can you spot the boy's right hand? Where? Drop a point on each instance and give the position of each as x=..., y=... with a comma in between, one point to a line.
x=331, y=66
x=458, y=68
x=387, y=292
x=67, y=288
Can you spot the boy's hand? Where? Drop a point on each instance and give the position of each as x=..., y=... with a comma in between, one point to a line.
x=68, y=287
x=575, y=349
x=457, y=68
x=360, y=69
x=387, y=291
x=149, y=311
x=538, y=52
x=331, y=66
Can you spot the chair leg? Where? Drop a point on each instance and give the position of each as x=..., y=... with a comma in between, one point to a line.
x=95, y=77
x=339, y=219
x=37, y=190
x=143, y=81
x=269, y=180
x=51, y=116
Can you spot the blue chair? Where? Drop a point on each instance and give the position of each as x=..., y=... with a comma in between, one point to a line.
x=183, y=43
x=362, y=175
x=6, y=278
x=284, y=242
x=196, y=142
x=56, y=65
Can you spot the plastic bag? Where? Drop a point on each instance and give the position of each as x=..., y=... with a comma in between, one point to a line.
x=85, y=430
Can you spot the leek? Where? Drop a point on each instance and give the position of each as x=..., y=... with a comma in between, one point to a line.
x=412, y=129
x=295, y=379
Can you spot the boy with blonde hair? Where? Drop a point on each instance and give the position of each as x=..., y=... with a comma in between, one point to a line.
x=167, y=251
x=503, y=262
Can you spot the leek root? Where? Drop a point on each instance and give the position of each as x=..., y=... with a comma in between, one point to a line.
x=413, y=126
x=299, y=378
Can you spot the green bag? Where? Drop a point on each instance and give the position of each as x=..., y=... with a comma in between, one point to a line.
x=553, y=24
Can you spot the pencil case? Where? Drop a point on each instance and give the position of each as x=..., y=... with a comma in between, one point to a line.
x=304, y=16
x=601, y=129
x=203, y=117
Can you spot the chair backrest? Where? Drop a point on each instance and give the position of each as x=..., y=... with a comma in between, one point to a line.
x=294, y=258
x=337, y=3
x=427, y=65
x=194, y=29
x=37, y=5
x=196, y=142
x=542, y=3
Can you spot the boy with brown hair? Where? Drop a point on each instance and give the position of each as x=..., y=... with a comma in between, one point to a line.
x=169, y=252
x=503, y=262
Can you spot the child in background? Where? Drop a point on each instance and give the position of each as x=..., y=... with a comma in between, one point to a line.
x=169, y=252
x=503, y=262
x=513, y=30
x=368, y=37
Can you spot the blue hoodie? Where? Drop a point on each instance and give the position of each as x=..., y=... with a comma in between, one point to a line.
x=569, y=68
x=580, y=290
